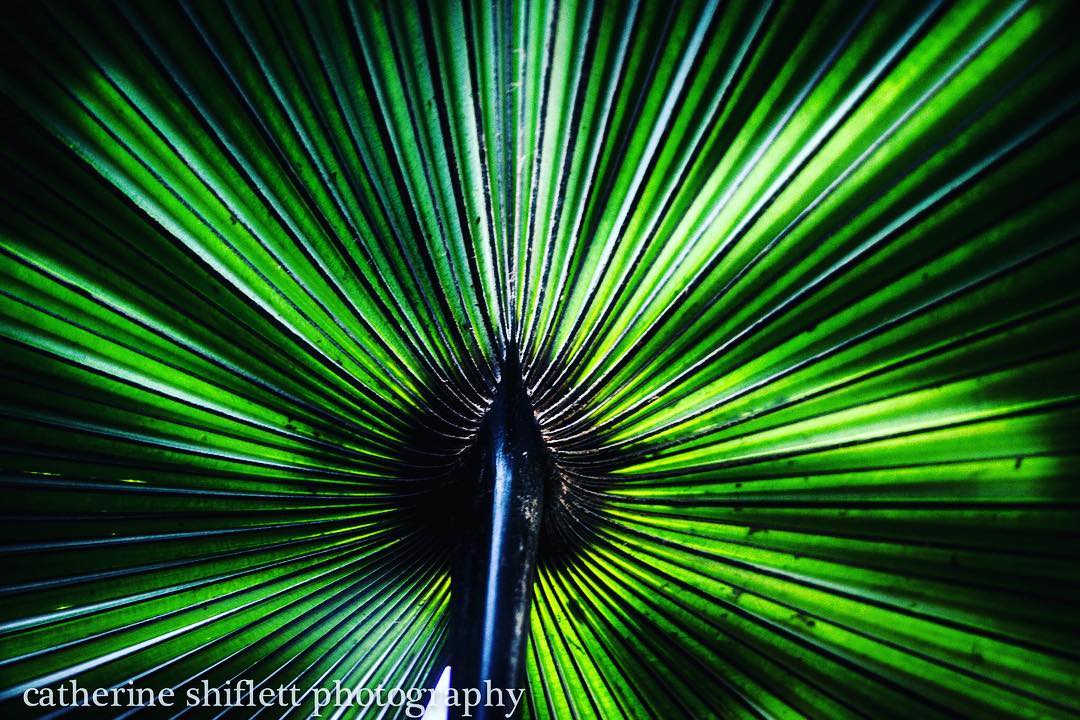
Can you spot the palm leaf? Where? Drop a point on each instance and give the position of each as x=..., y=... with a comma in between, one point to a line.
x=792, y=287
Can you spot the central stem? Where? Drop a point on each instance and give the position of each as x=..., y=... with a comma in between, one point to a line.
x=491, y=582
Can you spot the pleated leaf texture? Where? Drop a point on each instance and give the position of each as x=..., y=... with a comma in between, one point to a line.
x=794, y=287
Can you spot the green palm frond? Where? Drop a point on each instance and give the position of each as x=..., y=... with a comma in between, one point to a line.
x=792, y=287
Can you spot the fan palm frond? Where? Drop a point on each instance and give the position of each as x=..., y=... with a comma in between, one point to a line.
x=778, y=302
